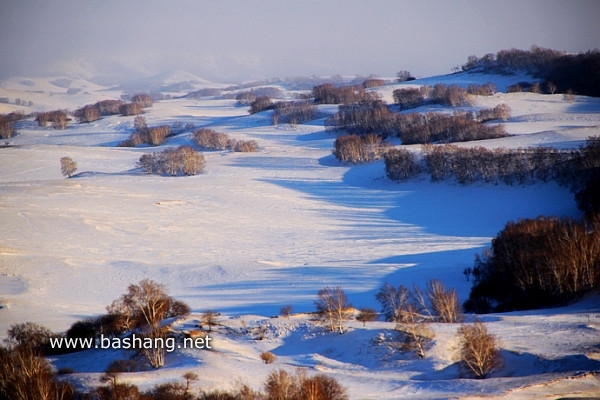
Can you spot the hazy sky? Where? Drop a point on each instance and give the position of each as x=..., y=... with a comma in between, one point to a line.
x=248, y=39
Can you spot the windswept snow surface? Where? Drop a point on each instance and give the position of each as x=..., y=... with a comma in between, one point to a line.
x=257, y=231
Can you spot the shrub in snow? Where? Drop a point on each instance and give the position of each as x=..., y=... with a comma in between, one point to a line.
x=144, y=100
x=285, y=311
x=183, y=160
x=282, y=385
x=210, y=139
x=366, y=315
x=268, y=357
x=479, y=353
x=244, y=146
x=59, y=119
x=67, y=166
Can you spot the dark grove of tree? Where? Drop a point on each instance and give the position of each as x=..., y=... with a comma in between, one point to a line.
x=579, y=73
x=537, y=263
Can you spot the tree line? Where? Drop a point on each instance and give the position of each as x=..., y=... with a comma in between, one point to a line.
x=535, y=263
x=412, y=128
x=559, y=71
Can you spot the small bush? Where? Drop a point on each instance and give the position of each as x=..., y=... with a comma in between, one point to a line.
x=58, y=118
x=129, y=109
x=479, y=353
x=109, y=107
x=245, y=146
x=183, y=160
x=366, y=315
x=286, y=311
x=268, y=357
x=86, y=114
x=282, y=385
x=210, y=318
x=370, y=83
x=143, y=100
x=210, y=139
x=67, y=166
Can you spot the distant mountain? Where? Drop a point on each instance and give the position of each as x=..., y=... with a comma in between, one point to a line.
x=177, y=81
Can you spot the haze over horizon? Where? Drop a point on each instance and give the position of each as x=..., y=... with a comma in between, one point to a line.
x=242, y=40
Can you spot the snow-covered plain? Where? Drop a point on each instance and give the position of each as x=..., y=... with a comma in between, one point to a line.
x=257, y=231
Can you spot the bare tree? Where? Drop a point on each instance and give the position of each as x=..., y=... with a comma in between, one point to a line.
x=150, y=299
x=286, y=311
x=155, y=354
x=268, y=357
x=209, y=318
x=67, y=166
x=139, y=123
x=416, y=332
x=332, y=305
x=29, y=334
x=394, y=301
x=479, y=351
x=404, y=76
x=280, y=385
x=245, y=146
x=25, y=375
x=189, y=378
x=444, y=302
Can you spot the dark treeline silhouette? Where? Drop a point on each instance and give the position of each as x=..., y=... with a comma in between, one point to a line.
x=537, y=263
x=563, y=72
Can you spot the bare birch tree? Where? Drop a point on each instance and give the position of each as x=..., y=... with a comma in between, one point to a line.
x=333, y=307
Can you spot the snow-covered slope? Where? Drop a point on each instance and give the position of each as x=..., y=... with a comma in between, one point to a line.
x=257, y=231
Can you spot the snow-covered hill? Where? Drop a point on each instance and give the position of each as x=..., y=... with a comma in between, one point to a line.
x=257, y=231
